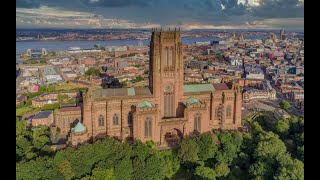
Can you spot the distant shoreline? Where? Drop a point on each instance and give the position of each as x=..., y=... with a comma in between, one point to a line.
x=74, y=40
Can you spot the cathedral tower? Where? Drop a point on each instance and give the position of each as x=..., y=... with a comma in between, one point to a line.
x=166, y=70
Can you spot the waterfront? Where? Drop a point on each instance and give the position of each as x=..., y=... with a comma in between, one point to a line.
x=22, y=46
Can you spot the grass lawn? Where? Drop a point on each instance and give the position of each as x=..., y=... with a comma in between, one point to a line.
x=21, y=111
x=65, y=86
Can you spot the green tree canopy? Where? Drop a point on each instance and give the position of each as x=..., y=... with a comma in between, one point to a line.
x=284, y=105
x=188, y=151
x=102, y=174
x=205, y=173
x=92, y=71
x=222, y=170
x=207, y=148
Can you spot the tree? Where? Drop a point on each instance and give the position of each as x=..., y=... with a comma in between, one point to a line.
x=50, y=106
x=230, y=144
x=102, y=174
x=42, y=61
x=34, y=62
x=139, y=171
x=222, y=170
x=269, y=146
x=188, y=150
x=205, y=173
x=141, y=150
x=123, y=169
x=65, y=167
x=21, y=129
x=150, y=144
x=261, y=170
x=62, y=96
x=40, y=138
x=294, y=170
x=154, y=168
x=92, y=71
x=171, y=161
x=24, y=149
x=284, y=105
x=40, y=168
x=207, y=148
x=139, y=78
x=301, y=153
x=282, y=127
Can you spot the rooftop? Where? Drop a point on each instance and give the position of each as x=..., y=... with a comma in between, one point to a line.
x=221, y=86
x=192, y=101
x=65, y=109
x=193, y=88
x=79, y=128
x=122, y=92
x=145, y=104
x=42, y=114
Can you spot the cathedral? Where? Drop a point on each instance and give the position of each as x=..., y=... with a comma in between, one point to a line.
x=166, y=109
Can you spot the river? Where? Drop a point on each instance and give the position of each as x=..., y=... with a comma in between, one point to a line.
x=22, y=46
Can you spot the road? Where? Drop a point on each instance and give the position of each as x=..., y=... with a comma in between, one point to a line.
x=281, y=97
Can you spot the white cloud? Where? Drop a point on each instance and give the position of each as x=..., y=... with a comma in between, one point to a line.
x=54, y=17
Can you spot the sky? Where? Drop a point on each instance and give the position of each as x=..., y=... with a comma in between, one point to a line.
x=187, y=14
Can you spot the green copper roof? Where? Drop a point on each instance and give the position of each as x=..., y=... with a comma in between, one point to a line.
x=79, y=128
x=131, y=91
x=192, y=101
x=145, y=104
x=193, y=88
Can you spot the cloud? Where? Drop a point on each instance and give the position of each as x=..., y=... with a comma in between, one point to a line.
x=27, y=3
x=51, y=17
x=280, y=9
x=175, y=12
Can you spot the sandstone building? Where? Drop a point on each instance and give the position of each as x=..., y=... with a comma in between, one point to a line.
x=165, y=110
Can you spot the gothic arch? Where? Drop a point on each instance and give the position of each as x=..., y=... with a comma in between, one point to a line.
x=115, y=119
x=148, y=127
x=100, y=120
x=197, y=121
x=228, y=111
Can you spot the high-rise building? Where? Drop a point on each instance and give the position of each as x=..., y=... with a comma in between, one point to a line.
x=282, y=34
x=165, y=111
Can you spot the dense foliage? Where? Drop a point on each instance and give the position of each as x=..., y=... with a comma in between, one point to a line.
x=92, y=71
x=284, y=105
x=273, y=150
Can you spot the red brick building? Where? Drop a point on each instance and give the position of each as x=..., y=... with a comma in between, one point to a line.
x=64, y=118
x=44, y=118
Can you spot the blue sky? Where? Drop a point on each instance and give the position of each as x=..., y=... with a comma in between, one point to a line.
x=187, y=14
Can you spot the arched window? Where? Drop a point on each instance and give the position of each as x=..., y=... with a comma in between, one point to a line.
x=165, y=56
x=170, y=57
x=130, y=118
x=197, y=122
x=148, y=127
x=115, y=120
x=216, y=113
x=101, y=121
x=168, y=101
x=228, y=111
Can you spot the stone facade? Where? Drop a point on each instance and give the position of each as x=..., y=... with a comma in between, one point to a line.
x=167, y=109
x=65, y=117
x=44, y=118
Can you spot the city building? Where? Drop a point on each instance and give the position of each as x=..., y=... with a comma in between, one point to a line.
x=44, y=118
x=167, y=106
x=280, y=114
x=65, y=117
